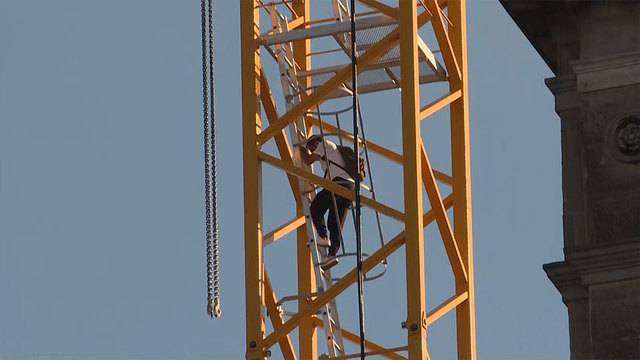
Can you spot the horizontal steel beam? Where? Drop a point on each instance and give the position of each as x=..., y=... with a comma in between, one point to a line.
x=433, y=107
x=383, y=8
x=283, y=230
x=448, y=305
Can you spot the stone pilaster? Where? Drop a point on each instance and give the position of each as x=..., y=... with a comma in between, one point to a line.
x=599, y=107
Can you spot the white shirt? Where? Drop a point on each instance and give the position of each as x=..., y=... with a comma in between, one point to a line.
x=332, y=156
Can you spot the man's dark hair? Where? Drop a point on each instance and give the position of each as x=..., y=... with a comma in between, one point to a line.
x=313, y=138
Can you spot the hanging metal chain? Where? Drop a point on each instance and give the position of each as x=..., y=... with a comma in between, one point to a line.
x=214, y=169
x=210, y=181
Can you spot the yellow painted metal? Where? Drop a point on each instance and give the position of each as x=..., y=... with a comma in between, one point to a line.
x=337, y=288
x=411, y=140
x=443, y=40
x=383, y=8
x=307, y=334
x=461, y=172
x=433, y=193
x=378, y=149
x=250, y=63
x=297, y=22
x=439, y=104
x=442, y=177
x=330, y=185
x=417, y=172
x=284, y=229
x=445, y=307
x=368, y=344
x=286, y=346
x=372, y=54
x=430, y=215
x=268, y=104
x=381, y=150
x=368, y=354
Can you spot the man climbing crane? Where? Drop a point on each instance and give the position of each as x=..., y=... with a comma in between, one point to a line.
x=339, y=165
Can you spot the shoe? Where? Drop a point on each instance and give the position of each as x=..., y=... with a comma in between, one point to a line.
x=323, y=242
x=329, y=262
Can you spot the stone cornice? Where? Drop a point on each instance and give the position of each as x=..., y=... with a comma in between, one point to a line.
x=566, y=92
x=607, y=71
x=567, y=281
x=595, y=266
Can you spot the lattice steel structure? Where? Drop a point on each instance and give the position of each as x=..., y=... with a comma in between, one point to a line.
x=391, y=54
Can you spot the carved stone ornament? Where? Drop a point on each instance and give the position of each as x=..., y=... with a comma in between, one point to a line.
x=625, y=139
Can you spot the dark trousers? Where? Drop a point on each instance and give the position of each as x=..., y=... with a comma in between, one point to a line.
x=319, y=206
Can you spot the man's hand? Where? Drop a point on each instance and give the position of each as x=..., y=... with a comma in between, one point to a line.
x=307, y=156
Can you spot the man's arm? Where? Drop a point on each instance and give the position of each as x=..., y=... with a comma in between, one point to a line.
x=307, y=156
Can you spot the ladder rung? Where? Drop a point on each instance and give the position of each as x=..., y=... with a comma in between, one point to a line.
x=336, y=345
x=343, y=7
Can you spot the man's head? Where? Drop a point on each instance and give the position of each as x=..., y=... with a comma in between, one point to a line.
x=312, y=142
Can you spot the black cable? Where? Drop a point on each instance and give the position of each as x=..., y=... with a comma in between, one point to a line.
x=373, y=191
x=351, y=210
x=354, y=89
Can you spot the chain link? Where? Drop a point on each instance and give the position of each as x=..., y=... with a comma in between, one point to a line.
x=211, y=210
x=214, y=172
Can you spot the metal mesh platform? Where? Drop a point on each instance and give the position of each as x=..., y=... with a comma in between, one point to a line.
x=384, y=74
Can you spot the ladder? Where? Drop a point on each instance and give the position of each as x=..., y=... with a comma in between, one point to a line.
x=298, y=133
x=341, y=14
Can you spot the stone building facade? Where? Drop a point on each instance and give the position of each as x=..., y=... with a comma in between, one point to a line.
x=593, y=48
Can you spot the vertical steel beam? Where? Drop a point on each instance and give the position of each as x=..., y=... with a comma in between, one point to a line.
x=251, y=124
x=307, y=334
x=465, y=312
x=411, y=151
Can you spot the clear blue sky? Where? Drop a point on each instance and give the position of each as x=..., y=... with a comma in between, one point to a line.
x=101, y=203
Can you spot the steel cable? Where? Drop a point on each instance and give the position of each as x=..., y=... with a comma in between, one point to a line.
x=354, y=87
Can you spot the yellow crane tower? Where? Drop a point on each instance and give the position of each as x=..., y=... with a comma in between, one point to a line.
x=390, y=53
